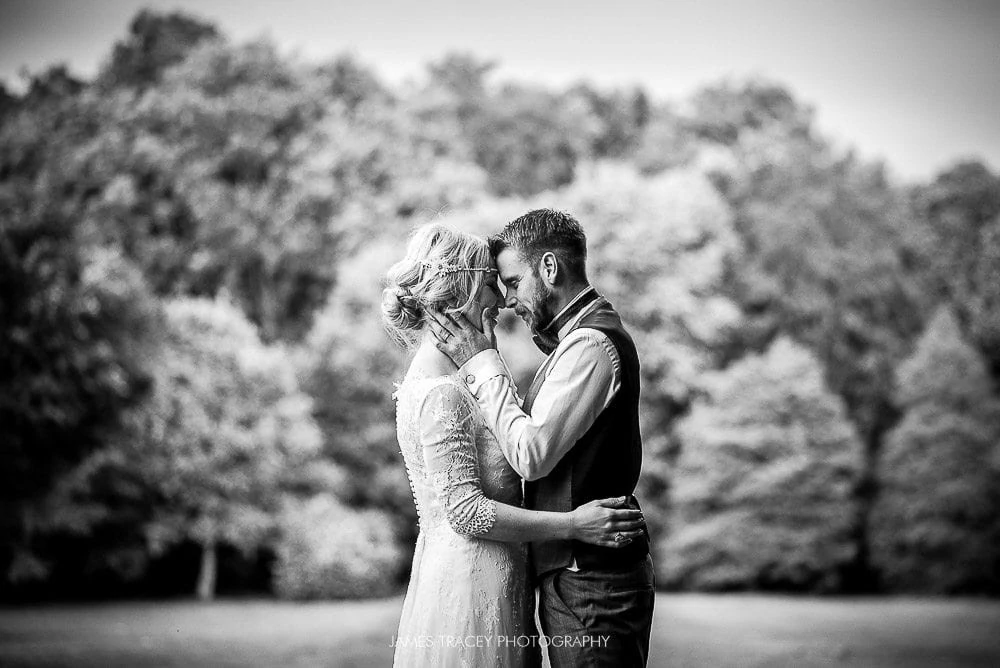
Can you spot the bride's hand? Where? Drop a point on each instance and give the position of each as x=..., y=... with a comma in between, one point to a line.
x=600, y=522
x=458, y=338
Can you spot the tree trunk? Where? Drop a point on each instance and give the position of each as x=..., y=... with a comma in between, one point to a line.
x=206, y=576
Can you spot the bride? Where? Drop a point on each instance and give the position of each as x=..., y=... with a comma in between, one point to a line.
x=469, y=602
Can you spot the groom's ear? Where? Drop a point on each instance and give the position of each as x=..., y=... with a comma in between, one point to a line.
x=548, y=268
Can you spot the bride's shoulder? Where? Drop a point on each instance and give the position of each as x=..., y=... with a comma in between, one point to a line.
x=419, y=384
x=429, y=373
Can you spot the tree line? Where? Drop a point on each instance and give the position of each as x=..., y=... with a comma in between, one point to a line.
x=194, y=380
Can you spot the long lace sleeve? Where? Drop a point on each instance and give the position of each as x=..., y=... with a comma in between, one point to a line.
x=447, y=435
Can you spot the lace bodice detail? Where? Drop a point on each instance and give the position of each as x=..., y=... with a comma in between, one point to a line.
x=454, y=463
x=462, y=585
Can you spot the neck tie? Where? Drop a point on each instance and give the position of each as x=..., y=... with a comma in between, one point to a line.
x=545, y=341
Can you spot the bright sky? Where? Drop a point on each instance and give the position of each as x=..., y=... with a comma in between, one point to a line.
x=913, y=82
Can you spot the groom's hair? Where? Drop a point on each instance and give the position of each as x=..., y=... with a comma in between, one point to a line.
x=542, y=231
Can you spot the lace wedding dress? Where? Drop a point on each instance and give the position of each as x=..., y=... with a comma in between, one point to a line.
x=467, y=603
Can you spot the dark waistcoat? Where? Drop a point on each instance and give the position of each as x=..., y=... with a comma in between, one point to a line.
x=605, y=462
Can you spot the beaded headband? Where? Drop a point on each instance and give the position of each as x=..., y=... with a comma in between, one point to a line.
x=441, y=268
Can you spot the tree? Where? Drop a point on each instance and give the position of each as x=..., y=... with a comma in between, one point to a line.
x=960, y=215
x=621, y=117
x=984, y=302
x=763, y=491
x=936, y=522
x=348, y=363
x=350, y=83
x=464, y=76
x=225, y=435
x=828, y=252
x=726, y=111
x=328, y=550
x=8, y=102
x=527, y=141
x=155, y=42
x=832, y=257
x=75, y=339
x=76, y=321
x=665, y=142
x=208, y=181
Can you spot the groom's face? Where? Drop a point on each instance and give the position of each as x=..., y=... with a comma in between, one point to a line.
x=530, y=297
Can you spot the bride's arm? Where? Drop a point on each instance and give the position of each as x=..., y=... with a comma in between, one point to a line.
x=447, y=436
x=596, y=522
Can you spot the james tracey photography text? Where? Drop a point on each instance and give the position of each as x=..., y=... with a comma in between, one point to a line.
x=429, y=641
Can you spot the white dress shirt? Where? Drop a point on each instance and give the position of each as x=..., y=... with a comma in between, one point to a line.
x=581, y=377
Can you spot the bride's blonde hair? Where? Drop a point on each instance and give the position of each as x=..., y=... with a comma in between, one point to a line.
x=443, y=269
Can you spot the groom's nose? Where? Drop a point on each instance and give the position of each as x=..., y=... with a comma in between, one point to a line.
x=509, y=301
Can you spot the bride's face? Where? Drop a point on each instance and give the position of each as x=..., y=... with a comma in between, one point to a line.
x=489, y=297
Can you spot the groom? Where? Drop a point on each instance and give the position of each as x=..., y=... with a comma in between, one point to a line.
x=575, y=437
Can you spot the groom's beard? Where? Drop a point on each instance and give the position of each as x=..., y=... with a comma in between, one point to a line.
x=544, y=308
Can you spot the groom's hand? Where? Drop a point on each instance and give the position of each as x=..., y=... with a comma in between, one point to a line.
x=458, y=338
x=607, y=522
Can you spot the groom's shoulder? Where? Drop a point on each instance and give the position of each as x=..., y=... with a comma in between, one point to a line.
x=604, y=319
x=608, y=322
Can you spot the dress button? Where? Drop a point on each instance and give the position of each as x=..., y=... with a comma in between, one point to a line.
x=470, y=379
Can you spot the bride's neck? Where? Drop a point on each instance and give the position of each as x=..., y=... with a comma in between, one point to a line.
x=429, y=360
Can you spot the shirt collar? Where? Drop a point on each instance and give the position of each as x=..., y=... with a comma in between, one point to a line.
x=584, y=302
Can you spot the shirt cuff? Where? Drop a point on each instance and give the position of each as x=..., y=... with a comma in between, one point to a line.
x=483, y=367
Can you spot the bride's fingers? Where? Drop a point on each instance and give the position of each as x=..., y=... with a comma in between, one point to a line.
x=488, y=324
x=439, y=328
x=463, y=322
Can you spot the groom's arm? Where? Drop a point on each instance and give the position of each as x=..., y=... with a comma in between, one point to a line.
x=579, y=382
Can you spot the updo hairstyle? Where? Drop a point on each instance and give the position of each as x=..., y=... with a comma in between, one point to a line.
x=433, y=274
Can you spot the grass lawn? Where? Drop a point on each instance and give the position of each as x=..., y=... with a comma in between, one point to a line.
x=688, y=630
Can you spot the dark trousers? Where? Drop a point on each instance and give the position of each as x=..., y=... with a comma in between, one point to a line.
x=597, y=617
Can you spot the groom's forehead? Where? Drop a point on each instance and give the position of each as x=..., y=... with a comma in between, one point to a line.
x=510, y=264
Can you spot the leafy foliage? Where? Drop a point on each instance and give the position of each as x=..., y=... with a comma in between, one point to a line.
x=936, y=522
x=155, y=42
x=349, y=364
x=827, y=258
x=331, y=551
x=77, y=320
x=225, y=433
x=961, y=212
x=764, y=481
